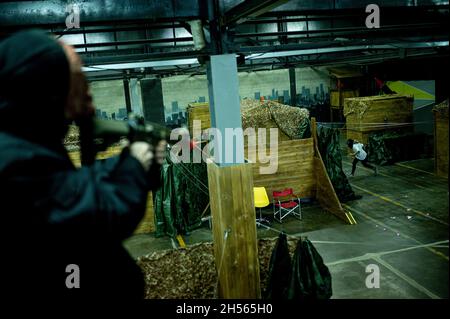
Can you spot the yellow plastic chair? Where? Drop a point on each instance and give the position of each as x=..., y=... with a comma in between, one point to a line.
x=261, y=200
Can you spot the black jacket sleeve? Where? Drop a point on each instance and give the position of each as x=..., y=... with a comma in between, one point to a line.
x=107, y=199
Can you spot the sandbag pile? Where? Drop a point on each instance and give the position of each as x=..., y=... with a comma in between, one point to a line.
x=270, y=114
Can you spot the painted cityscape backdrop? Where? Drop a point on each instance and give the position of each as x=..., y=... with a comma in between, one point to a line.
x=180, y=91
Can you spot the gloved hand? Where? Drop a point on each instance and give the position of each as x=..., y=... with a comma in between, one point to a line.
x=143, y=152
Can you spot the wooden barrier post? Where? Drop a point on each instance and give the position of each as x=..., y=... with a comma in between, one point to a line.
x=234, y=230
x=440, y=114
x=230, y=183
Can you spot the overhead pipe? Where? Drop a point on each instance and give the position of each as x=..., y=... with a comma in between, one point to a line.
x=28, y=13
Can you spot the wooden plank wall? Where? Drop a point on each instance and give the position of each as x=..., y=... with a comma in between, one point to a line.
x=147, y=224
x=387, y=110
x=325, y=194
x=295, y=168
x=441, y=143
x=299, y=168
x=359, y=136
x=199, y=112
x=378, y=109
x=337, y=97
x=232, y=211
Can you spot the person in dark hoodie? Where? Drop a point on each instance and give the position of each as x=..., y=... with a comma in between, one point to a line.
x=62, y=227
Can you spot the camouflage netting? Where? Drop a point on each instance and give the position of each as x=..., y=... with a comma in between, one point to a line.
x=292, y=121
x=357, y=106
x=194, y=276
x=329, y=148
x=386, y=148
x=360, y=105
x=442, y=108
x=72, y=139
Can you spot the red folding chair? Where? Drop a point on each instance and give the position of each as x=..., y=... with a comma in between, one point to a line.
x=286, y=203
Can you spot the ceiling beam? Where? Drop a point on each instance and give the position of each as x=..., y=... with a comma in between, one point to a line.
x=249, y=9
x=38, y=13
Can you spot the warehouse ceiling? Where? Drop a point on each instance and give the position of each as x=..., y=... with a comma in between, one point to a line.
x=141, y=37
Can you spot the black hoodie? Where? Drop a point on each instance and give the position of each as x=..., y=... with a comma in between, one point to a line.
x=34, y=84
x=53, y=215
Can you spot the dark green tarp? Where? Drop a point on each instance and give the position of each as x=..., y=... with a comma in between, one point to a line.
x=310, y=278
x=279, y=268
x=182, y=199
x=306, y=277
x=387, y=148
x=330, y=150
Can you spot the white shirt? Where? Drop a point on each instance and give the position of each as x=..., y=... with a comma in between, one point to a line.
x=359, y=152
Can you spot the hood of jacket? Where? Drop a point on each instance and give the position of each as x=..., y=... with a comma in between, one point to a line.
x=34, y=87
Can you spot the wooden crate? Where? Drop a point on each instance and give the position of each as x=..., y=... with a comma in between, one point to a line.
x=363, y=136
x=337, y=97
x=371, y=114
x=375, y=113
x=359, y=136
x=199, y=112
x=441, y=140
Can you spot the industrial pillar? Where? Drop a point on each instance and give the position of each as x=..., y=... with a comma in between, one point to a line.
x=293, y=87
x=135, y=97
x=225, y=108
x=231, y=187
x=152, y=100
x=126, y=91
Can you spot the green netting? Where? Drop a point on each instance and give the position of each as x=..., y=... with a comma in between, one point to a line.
x=305, y=129
x=330, y=150
x=387, y=148
x=182, y=198
x=192, y=192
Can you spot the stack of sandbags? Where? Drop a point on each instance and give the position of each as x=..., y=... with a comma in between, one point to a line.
x=271, y=114
x=289, y=119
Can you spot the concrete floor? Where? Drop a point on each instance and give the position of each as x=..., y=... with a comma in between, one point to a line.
x=402, y=228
